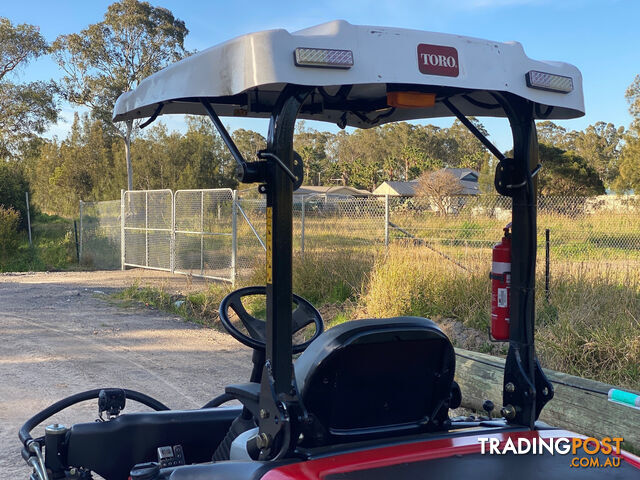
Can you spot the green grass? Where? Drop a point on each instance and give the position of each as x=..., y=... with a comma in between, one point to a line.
x=53, y=247
x=589, y=328
x=198, y=307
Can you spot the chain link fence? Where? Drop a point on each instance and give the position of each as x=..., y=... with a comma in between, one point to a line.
x=204, y=233
x=581, y=229
x=220, y=233
x=147, y=229
x=250, y=233
x=99, y=234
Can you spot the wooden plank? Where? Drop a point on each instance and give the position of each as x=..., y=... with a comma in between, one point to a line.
x=572, y=408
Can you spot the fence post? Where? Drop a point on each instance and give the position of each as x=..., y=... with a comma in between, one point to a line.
x=146, y=229
x=26, y=194
x=80, y=242
x=302, y=227
x=234, y=236
x=122, y=242
x=75, y=230
x=172, y=239
x=386, y=220
x=202, y=232
x=546, y=266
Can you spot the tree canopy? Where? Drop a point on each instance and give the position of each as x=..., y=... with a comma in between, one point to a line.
x=629, y=168
x=25, y=109
x=134, y=40
x=440, y=187
x=566, y=173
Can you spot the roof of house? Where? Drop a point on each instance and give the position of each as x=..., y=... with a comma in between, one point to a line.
x=468, y=179
x=461, y=173
x=402, y=189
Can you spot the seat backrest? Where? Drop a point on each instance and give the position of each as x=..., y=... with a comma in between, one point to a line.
x=365, y=377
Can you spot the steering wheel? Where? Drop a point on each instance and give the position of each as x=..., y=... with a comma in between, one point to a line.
x=303, y=315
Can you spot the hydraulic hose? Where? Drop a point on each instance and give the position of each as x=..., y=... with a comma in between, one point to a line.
x=25, y=430
x=219, y=400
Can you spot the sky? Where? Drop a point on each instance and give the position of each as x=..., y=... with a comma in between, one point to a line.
x=600, y=37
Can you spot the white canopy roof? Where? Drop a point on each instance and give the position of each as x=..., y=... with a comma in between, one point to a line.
x=243, y=77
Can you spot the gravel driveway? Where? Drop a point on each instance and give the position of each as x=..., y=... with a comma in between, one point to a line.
x=59, y=337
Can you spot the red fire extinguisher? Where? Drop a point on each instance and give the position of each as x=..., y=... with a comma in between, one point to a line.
x=501, y=287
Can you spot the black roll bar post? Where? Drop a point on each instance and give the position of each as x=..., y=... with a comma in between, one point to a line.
x=278, y=392
x=525, y=388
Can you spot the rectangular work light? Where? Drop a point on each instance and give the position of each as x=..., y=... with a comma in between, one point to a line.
x=323, y=57
x=549, y=82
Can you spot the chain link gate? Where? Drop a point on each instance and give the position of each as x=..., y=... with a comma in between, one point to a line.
x=204, y=233
x=147, y=229
x=190, y=232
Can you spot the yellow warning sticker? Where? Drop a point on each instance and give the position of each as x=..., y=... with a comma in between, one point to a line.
x=269, y=245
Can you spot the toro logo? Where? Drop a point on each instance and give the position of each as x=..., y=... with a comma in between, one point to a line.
x=438, y=60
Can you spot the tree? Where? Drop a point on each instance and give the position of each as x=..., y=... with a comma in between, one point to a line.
x=566, y=173
x=633, y=97
x=13, y=185
x=25, y=109
x=18, y=45
x=109, y=58
x=311, y=145
x=440, y=187
x=463, y=149
x=87, y=165
x=248, y=142
x=410, y=150
x=600, y=145
x=629, y=167
x=628, y=179
x=552, y=134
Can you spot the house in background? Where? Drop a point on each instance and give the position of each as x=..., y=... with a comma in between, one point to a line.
x=467, y=177
x=397, y=188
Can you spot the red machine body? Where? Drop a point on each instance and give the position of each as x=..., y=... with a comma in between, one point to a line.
x=501, y=287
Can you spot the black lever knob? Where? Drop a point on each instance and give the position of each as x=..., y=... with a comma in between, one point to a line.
x=488, y=406
x=145, y=471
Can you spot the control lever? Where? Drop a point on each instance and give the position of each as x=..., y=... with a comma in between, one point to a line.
x=488, y=406
x=112, y=401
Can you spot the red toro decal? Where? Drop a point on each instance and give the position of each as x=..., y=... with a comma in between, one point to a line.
x=438, y=60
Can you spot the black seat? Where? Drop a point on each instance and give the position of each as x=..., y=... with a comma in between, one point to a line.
x=367, y=377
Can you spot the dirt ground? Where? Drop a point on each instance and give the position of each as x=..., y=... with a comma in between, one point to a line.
x=60, y=336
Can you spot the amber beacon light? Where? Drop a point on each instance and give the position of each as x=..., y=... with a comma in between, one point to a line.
x=411, y=99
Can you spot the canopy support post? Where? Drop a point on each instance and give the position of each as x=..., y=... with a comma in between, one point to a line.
x=525, y=388
x=278, y=393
